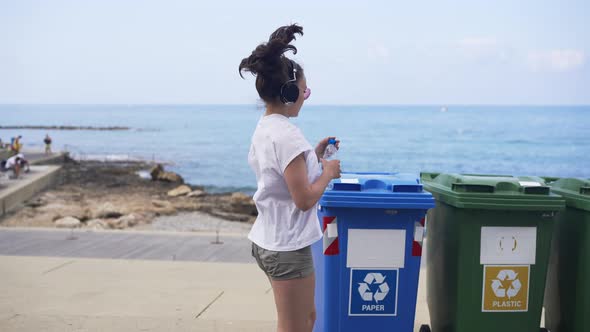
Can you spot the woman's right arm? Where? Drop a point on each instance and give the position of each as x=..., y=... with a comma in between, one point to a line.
x=305, y=194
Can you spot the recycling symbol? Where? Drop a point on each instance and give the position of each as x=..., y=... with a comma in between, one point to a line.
x=373, y=279
x=506, y=277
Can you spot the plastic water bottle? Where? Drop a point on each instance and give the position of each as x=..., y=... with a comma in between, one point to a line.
x=331, y=149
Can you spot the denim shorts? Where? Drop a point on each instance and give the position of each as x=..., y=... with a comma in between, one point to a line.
x=284, y=265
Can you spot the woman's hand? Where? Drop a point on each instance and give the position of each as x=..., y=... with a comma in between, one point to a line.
x=331, y=168
x=323, y=144
x=305, y=195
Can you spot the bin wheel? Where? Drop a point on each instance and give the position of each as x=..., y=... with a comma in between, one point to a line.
x=543, y=329
x=425, y=328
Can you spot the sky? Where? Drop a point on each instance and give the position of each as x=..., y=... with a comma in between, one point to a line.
x=353, y=52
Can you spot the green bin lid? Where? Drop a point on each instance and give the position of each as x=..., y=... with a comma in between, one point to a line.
x=575, y=191
x=492, y=192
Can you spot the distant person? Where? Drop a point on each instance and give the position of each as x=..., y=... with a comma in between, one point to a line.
x=23, y=163
x=47, y=142
x=16, y=145
x=15, y=163
x=1, y=144
x=290, y=182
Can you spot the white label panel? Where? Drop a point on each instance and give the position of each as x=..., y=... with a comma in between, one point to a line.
x=508, y=245
x=376, y=248
x=332, y=230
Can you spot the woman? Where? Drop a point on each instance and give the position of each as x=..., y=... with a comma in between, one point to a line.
x=290, y=182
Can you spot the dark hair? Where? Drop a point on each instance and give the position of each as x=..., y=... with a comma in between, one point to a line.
x=269, y=64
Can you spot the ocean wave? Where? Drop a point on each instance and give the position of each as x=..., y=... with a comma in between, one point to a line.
x=103, y=157
x=149, y=130
x=115, y=158
x=519, y=141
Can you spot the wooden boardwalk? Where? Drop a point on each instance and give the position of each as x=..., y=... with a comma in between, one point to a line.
x=124, y=245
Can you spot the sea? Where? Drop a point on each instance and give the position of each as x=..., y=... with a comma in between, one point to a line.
x=208, y=144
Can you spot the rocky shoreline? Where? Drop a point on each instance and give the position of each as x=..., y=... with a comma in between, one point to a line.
x=111, y=195
x=65, y=128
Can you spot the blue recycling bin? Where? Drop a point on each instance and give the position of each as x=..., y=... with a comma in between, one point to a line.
x=368, y=263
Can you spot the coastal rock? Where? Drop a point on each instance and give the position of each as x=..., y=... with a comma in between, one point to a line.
x=158, y=174
x=240, y=198
x=116, y=223
x=129, y=220
x=67, y=222
x=96, y=224
x=156, y=171
x=107, y=210
x=186, y=204
x=49, y=197
x=197, y=193
x=134, y=219
x=65, y=127
x=171, y=177
x=123, y=222
x=230, y=216
x=180, y=191
x=161, y=204
x=162, y=207
x=61, y=209
x=35, y=203
x=100, y=195
x=242, y=203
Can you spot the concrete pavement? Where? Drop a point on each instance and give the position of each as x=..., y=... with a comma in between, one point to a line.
x=63, y=294
x=126, y=244
x=90, y=294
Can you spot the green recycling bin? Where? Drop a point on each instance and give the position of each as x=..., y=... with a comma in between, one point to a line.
x=488, y=243
x=567, y=295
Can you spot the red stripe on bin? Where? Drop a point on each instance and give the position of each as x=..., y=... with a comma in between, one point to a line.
x=330, y=243
x=332, y=248
x=416, y=249
x=327, y=220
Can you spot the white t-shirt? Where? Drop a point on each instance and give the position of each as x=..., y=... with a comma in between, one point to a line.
x=280, y=225
x=10, y=162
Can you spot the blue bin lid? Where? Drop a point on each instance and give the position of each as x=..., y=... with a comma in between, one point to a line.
x=377, y=190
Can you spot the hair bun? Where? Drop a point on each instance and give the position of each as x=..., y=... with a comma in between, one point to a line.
x=286, y=33
x=266, y=57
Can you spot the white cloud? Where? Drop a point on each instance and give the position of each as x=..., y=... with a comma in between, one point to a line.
x=484, y=50
x=480, y=47
x=477, y=43
x=555, y=60
x=378, y=52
